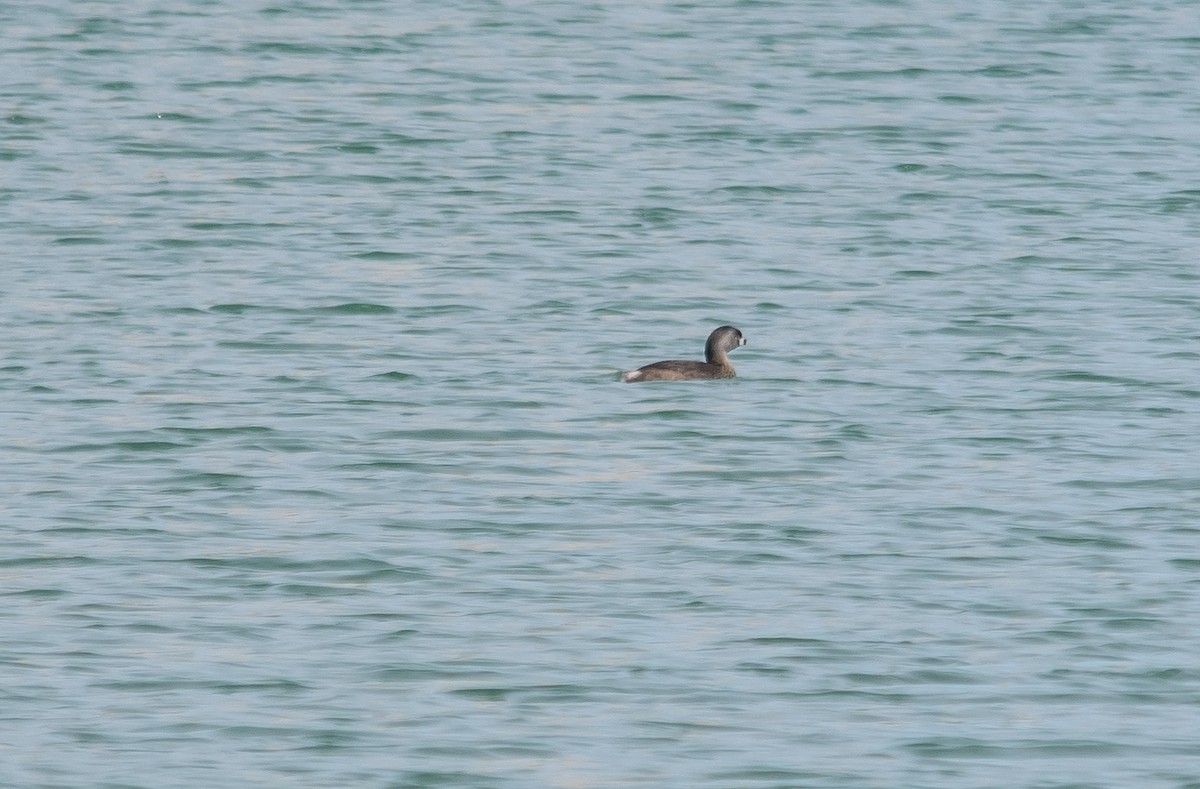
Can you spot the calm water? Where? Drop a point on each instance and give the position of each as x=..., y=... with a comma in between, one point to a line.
x=316, y=471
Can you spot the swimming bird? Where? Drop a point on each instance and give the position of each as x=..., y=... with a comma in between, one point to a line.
x=715, y=365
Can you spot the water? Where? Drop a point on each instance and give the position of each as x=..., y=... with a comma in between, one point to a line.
x=316, y=471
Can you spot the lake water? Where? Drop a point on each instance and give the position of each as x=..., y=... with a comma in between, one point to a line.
x=316, y=471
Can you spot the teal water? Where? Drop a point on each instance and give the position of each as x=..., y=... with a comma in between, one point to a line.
x=316, y=471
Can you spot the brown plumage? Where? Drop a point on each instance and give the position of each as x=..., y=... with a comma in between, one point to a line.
x=715, y=365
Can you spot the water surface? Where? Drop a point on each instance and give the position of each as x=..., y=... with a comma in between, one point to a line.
x=316, y=471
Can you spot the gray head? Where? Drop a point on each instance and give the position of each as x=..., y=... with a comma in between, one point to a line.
x=721, y=342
